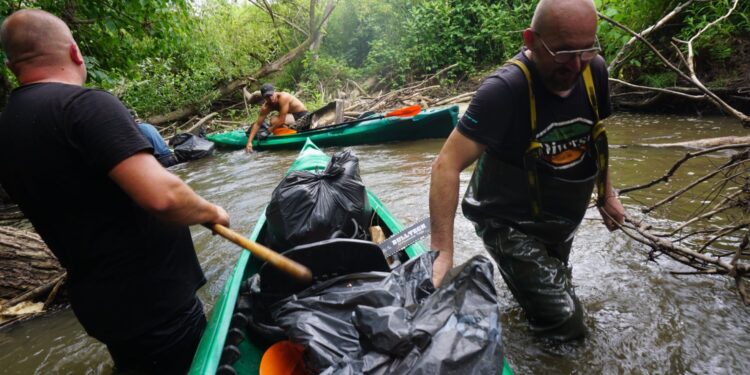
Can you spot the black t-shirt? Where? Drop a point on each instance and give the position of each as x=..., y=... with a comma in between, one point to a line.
x=128, y=271
x=499, y=117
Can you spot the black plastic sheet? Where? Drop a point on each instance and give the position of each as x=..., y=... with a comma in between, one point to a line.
x=397, y=323
x=189, y=146
x=308, y=207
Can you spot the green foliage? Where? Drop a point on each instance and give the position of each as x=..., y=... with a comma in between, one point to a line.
x=115, y=35
x=716, y=41
x=635, y=14
x=434, y=34
x=226, y=42
x=662, y=79
x=159, y=55
x=714, y=47
x=317, y=77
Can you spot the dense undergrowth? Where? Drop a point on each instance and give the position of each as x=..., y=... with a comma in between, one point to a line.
x=161, y=55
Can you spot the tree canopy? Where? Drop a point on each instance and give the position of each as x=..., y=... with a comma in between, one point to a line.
x=161, y=55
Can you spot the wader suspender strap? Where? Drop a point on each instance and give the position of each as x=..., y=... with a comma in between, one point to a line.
x=531, y=155
x=599, y=139
x=598, y=136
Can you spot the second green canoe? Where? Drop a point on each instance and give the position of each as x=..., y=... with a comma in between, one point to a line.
x=430, y=123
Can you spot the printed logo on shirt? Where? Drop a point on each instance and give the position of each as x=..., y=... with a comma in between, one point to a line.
x=564, y=144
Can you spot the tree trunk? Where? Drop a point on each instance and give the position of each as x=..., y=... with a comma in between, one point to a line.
x=26, y=264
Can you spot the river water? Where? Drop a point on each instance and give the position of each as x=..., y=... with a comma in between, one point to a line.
x=641, y=319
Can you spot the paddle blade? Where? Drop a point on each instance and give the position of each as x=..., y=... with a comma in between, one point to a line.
x=405, y=112
x=284, y=131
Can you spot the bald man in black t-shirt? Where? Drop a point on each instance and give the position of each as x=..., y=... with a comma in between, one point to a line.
x=114, y=217
x=534, y=125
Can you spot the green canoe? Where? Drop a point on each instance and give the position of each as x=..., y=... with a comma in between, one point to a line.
x=208, y=355
x=430, y=123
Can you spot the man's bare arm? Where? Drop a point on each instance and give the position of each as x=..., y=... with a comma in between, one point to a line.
x=163, y=194
x=612, y=212
x=264, y=110
x=458, y=153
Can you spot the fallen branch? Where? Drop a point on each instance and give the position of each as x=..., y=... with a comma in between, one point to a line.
x=705, y=143
x=197, y=124
x=656, y=89
x=677, y=165
x=694, y=184
x=456, y=99
x=688, y=255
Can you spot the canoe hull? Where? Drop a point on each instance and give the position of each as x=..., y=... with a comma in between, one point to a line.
x=430, y=123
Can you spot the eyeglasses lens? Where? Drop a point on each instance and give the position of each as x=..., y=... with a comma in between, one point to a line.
x=564, y=57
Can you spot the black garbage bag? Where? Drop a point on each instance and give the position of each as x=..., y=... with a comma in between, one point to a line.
x=308, y=207
x=189, y=146
x=397, y=323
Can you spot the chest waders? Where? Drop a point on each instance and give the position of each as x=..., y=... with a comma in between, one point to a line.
x=540, y=205
x=527, y=222
x=598, y=137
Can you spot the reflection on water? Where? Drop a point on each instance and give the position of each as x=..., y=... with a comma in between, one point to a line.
x=641, y=319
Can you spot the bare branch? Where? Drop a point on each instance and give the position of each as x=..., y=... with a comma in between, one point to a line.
x=266, y=7
x=721, y=234
x=693, y=184
x=684, y=254
x=650, y=46
x=677, y=165
x=707, y=215
x=617, y=61
x=656, y=89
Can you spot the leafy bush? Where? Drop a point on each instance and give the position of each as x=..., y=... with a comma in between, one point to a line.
x=226, y=42
x=435, y=34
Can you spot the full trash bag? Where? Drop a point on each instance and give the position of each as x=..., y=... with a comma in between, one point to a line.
x=189, y=146
x=397, y=323
x=308, y=207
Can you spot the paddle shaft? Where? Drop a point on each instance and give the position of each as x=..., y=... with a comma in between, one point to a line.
x=279, y=261
x=401, y=112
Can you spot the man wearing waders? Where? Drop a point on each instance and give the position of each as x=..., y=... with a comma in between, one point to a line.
x=534, y=125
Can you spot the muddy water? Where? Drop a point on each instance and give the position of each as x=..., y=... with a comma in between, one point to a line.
x=641, y=319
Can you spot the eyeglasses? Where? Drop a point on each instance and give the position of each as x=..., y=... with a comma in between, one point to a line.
x=563, y=57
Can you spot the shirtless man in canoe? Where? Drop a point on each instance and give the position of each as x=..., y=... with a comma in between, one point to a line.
x=281, y=102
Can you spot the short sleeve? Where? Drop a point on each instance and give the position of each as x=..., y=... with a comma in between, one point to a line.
x=102, y=130
x=485, y=120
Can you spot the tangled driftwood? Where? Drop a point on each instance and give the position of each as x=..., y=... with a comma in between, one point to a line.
x=713, y=239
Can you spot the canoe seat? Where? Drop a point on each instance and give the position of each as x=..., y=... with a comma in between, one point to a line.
x=326, y=259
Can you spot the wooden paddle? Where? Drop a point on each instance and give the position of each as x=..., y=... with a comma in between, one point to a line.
x=277, y=260
x=409, y=111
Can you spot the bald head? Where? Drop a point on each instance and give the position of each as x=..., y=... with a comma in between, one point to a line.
x=33, y=34
x=564, y=17
x=40, y=47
